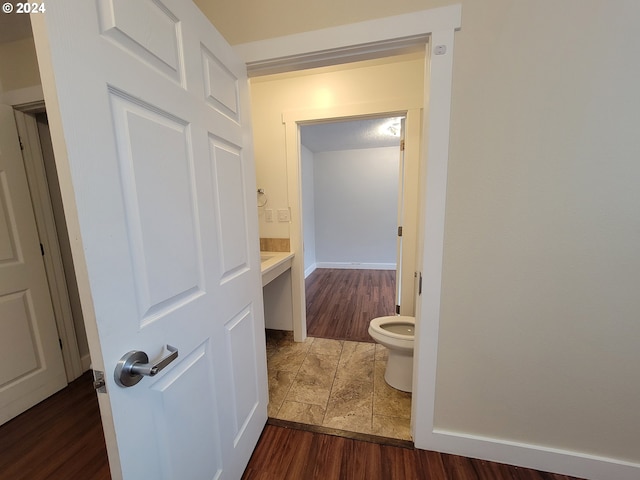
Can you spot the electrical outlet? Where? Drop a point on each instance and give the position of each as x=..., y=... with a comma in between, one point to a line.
x=268, y=215
x=283, y=214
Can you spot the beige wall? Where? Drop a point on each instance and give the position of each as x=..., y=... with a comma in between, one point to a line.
x=18, y=65
x=243, y=21
x=324, y=88
x=539, y=340
x=540, y=305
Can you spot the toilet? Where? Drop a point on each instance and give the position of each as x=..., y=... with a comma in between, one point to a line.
x=396, y=333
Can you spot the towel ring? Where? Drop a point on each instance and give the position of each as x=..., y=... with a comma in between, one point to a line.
x=261, y=192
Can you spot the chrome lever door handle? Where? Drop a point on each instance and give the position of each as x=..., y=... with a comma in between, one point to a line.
x=135, y=365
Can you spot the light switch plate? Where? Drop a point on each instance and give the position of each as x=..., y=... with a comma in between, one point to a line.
x=268, y=215
x=283, y=214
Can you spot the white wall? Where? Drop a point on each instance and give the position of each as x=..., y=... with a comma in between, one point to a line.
x=308, y=209
x=356, y=207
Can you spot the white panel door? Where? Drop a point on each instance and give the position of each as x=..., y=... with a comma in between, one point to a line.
x=31, y=366
x=153, y=108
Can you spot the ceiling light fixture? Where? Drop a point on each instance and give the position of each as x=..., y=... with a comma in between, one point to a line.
x=392, y=127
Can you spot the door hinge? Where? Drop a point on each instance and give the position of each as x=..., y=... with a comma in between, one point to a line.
x=42, y=249
x=397, y=309
x=20, y=142
x=402, y=145
x=420, y=285
x=98, y=382
x=399, y=231
x=60, y=342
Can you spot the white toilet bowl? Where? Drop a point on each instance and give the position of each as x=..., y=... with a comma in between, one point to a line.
x=396, y=333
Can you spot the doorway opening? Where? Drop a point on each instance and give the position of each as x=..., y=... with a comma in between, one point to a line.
x=352, y=204
x=352, y=197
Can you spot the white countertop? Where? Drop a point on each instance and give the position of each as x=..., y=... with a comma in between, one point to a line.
x=273, y=264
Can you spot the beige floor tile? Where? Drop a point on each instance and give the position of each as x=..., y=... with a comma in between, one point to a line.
x=326, y=346
x=387, y=400
x=333, y=383
x=313, y=382
x=288, y=357
x=347, y=374
x=357, y=352
x=393, y=427
x=350, y=423
x=323, y=367
x=278, y=337
x=301, y=412
x=355, y=398
x=305, y=392
x=382, y=353
x=279, y=384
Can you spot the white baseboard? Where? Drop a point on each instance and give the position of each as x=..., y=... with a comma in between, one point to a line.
x=538, y=457
x=310, y=270
x=357, y=265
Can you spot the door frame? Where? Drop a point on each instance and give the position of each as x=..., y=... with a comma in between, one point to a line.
x=292, y=120
x=42, y=208
x=25, y=102
x=432, y=30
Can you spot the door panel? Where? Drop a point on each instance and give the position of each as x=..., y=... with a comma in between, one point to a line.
x=153, y=150
x=31, y=366
x=18, y=325
x=155, y=41
x=161, y=195
x=242, y=369
x=221, y=86
x=196, y=419
x=229, y=196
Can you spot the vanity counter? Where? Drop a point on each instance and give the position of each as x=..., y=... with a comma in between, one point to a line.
x=274, y=264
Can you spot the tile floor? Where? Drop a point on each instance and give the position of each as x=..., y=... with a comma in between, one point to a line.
x=336, y=384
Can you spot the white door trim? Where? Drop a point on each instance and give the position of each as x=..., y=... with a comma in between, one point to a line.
x=34, y=167
x=348, y=43
x=345, y=44
x=409, y=106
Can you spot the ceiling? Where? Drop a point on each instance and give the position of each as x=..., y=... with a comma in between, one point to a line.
x=351, y=134
x=14, y=27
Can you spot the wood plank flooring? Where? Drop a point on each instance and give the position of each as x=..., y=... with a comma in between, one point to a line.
x=341, y=303
x=285, y=453
x=60, y=438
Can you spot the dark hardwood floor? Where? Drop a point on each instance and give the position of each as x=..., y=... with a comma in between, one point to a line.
x=341, y=303
x=285, y=453
x=60, y=438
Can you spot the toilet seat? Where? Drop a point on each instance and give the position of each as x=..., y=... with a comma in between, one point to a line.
x=382, y=325
x=379, y=329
